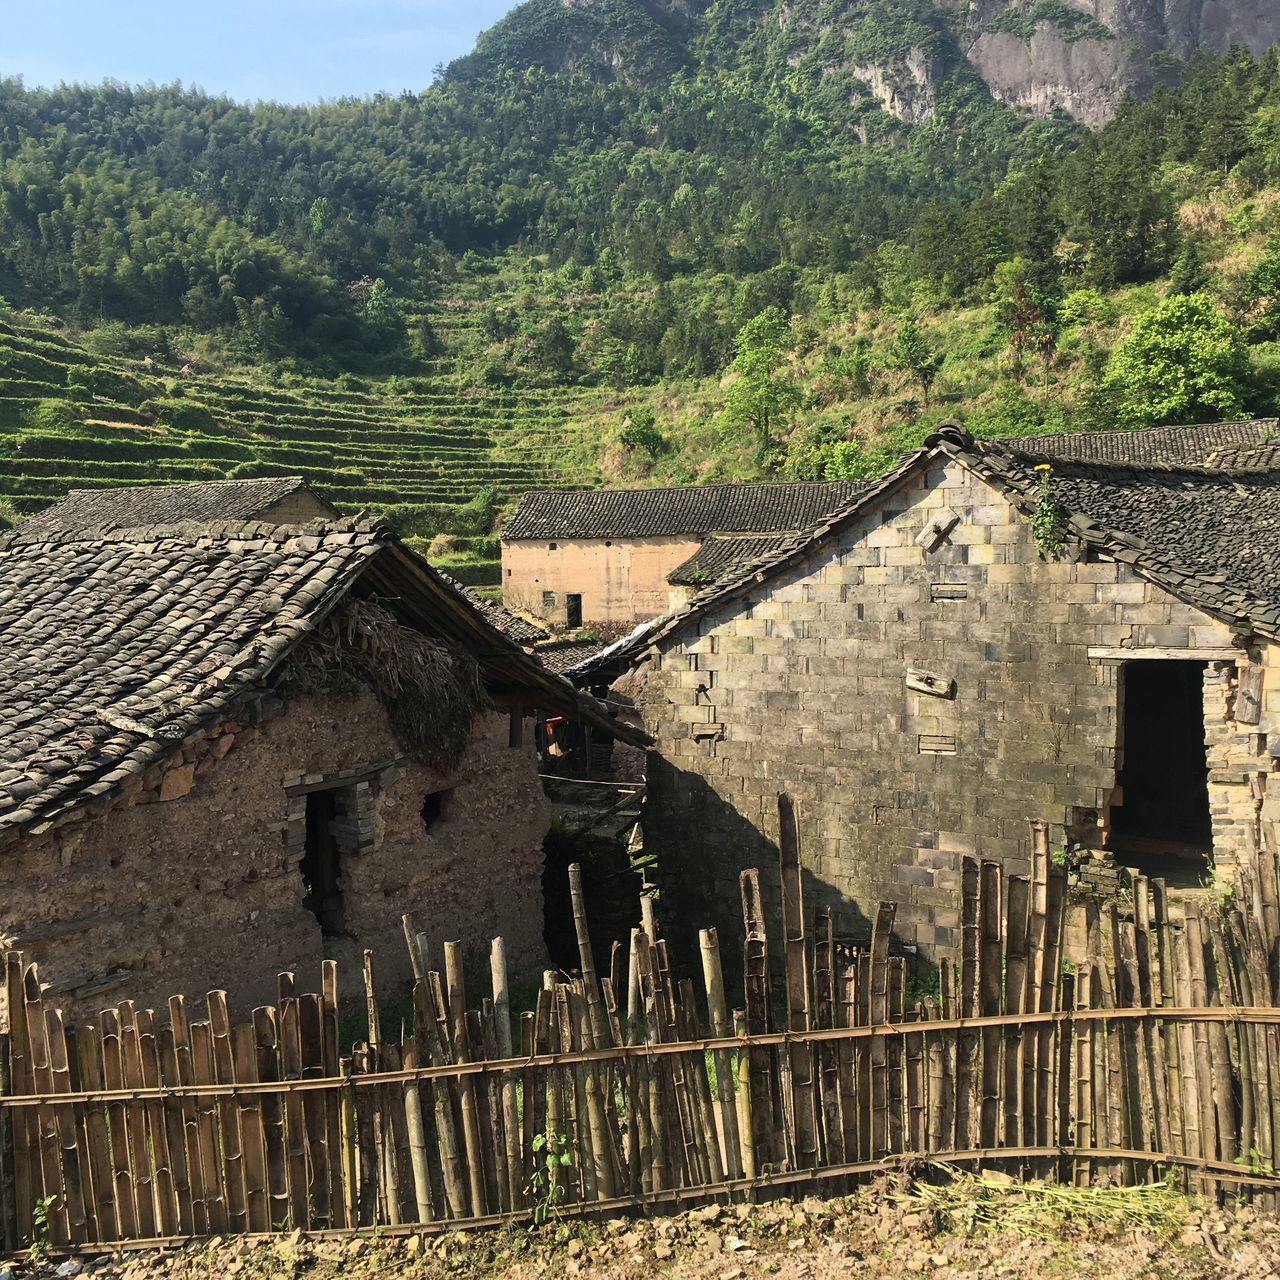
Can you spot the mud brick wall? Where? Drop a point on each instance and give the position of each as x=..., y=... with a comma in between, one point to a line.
x=621, y=581
x=195, y=884
x=803, y=686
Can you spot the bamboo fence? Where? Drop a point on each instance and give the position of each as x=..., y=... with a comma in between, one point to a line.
x=1161, y=1052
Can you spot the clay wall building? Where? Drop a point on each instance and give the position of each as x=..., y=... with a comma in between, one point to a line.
x=923, y=676
x=606, y=556
x=233, y=748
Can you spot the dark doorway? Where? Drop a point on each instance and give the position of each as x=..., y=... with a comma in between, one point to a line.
x=573, y=611
x=1161, y=824
x=321, y=863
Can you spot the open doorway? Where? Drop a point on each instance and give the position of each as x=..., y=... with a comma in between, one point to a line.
x=321, y=862
x=1161, y=824
x=573, y=611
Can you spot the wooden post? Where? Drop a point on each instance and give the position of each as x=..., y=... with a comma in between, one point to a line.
x=718, y=1013
x=510, y=1087
x=461, y=1053
x=796, y=953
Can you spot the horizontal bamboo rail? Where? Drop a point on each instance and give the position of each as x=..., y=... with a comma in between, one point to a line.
x=1245, y=1016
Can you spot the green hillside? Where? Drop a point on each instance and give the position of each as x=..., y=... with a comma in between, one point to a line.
x=623, y=243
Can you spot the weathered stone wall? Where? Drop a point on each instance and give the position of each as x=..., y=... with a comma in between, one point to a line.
x=621, y=581
x=802, y=687
x=195, y=885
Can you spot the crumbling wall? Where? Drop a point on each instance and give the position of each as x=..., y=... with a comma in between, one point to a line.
x=812, y=685
x=195, y=883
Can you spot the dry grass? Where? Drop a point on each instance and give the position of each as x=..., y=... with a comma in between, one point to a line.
x=431, y=692
x=967, y=1202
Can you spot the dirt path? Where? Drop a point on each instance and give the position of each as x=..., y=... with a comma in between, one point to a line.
x=969, y=1229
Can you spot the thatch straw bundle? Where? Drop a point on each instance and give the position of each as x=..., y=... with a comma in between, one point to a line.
x=431, y=691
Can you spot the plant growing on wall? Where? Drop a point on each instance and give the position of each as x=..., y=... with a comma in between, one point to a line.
x=1046, y=516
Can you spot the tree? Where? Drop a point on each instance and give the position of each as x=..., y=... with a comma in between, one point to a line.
x=1026, y=315
x=641, y=432
x=1182, y=361
x=761, y=395
x=552, y=349
x=915, y=356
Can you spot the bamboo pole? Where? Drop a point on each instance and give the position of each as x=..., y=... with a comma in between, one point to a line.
x=718, y=1015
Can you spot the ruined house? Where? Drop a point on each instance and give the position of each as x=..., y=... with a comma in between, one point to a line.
x=619, y=556
x=1080, y=630
x=231, y=746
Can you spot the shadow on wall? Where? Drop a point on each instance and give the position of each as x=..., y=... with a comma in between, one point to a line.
x=703, y=844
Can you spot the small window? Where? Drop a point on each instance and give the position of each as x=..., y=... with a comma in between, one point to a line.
x=329, y=814
x=548, y=599
x=435, y=808
x=607, y=543
x=508, y=573
x=551, y=546
x=573, y=610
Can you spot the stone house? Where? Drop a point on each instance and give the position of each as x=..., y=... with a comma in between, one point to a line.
x=620, y=556
x=232, y=746
x=986, y=635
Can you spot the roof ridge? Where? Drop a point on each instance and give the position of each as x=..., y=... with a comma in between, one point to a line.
x=701, y=488
x=191, y=484
x=195, y=531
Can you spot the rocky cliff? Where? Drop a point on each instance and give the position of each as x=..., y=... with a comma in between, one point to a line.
x=1077, y=56
x=1083, y=56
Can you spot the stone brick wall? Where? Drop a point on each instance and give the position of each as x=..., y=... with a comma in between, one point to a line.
x=620, y=581
x=195, y=884
x=819, y=683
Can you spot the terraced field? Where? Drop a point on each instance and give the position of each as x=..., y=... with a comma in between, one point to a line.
x=69, y=418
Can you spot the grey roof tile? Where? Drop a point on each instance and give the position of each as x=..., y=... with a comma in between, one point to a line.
x=691, y=509
x=139, y=506
x=1193, y=443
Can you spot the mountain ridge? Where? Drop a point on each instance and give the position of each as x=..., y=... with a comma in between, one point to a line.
x=1078, y=56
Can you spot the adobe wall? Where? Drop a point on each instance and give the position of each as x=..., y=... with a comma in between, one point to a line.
x=621, y=581
x=195, y=885
x=802, y=687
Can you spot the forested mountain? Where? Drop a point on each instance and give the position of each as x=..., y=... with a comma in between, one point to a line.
x=899, y=202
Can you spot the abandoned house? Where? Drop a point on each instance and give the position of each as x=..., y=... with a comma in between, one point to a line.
x=620, y=556
x=233, y=746
x=985, y=635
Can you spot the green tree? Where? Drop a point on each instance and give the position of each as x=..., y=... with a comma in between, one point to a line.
x=912, y=352
x=641, y=432
x=1182, y=361
x=761, y=395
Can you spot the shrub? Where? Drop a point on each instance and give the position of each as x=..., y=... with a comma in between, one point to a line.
x=182, y=415
x=53, y=415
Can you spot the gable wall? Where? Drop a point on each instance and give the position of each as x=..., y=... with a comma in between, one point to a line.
x=621, y=580
x=805, y=680
x=203, y=890
x=298, y=507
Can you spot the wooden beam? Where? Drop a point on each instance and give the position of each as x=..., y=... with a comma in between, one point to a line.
x=1206, y=654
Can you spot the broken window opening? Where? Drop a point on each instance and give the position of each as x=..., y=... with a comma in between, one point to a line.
x=1160, y=820
x=435, y=808
x=321, y=862
x=548, y=599
x=573, y=610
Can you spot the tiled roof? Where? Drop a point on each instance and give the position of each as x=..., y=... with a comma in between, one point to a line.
x=560, y=655
x=1265, y=457
x=693, y=509
x=511, y=625
x=118, y=646
x=1211, y=536
x=1193, y=443
x=720, y=556
x=136, y=506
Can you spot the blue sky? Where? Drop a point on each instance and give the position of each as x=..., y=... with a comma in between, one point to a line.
x=287, y=50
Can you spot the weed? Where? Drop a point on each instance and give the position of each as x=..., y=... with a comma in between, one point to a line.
x=1046, y=517
x=545, y=1190
x=40, y=1211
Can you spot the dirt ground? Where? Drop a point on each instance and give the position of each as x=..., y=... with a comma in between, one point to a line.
x=975, y=1228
